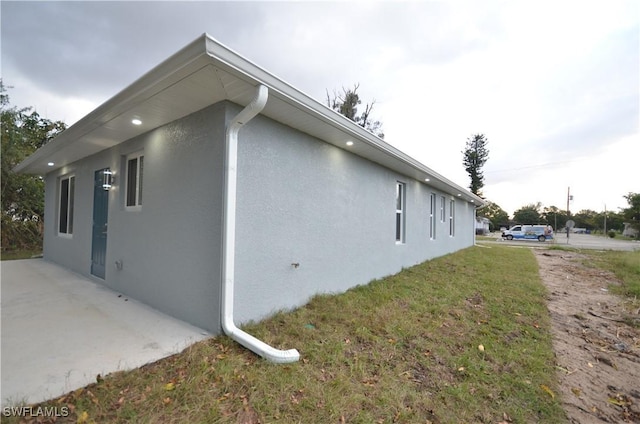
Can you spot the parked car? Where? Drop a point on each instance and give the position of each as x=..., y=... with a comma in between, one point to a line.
x=529, y=232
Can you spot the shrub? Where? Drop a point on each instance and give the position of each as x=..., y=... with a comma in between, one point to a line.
x=21, y=235
x=611, y=234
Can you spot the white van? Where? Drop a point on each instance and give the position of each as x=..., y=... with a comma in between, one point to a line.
x=529, y=232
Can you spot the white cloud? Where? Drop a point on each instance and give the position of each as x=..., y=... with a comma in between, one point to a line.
x=554, y=85
x=48, y=104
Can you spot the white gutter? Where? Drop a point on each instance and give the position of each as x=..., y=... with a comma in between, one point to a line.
x=229, y=238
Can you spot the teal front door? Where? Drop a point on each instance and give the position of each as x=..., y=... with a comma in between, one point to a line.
x=100, y=215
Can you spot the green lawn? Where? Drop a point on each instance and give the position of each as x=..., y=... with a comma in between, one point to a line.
x=19, y=254
x=626, y=266
x=462, y=338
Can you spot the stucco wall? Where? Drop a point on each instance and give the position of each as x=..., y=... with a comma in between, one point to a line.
x=333, y=213
x=170, y=249
x=299, y=201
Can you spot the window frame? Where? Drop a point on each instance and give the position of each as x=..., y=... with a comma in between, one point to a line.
x=443, y=216
x=452, y=218
x=432, y=216
x=69, y=202
x=401, y=193
x=139, y=175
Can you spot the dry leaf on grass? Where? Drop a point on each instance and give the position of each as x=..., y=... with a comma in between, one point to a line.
x=548, y=391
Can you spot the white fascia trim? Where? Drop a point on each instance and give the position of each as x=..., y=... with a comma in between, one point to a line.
x=254, y=73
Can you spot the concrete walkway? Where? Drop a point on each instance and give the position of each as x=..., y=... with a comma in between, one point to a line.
x=60, y=330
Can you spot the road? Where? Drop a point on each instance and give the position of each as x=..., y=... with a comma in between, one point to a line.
x=580, y=241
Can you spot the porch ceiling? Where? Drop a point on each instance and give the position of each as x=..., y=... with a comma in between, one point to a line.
x=204, y=73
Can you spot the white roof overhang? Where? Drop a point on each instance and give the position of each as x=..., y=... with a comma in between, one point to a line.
x=204, y=73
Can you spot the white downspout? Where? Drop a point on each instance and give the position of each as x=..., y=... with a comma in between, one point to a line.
x=229, y=238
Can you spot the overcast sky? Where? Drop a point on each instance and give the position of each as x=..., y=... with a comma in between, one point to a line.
x=553, y=85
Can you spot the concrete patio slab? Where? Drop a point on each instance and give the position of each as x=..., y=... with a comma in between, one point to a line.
x=60, y=330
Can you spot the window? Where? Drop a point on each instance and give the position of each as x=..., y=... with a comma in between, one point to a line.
x=400, y=202
x=432, y=217
x=442, y=214
x=452, y=216
x=135, y=168
x=67, y=190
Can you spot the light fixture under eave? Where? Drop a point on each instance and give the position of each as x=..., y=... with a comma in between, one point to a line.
x=107, y=179
x=427, y=179
x=349, y=143
x=136, y=121
x=50, y=164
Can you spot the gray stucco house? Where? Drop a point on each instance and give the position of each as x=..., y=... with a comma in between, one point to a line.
x=216, y=192
x=628, y=230
x=482, y=225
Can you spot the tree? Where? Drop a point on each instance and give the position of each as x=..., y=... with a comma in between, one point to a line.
x=346, y=104
x=632, y=213
x=554, y=216
x=23, y=131
x=529, y=214
x=615, y=221
x=588, y=219
x=496, y=215
x=475, y=155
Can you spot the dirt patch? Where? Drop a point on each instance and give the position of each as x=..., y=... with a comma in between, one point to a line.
x=597, y=348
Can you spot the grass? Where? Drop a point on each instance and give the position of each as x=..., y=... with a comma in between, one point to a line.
x=564, y=247
x=462, y=338
x=11, y=255
x=625, y=266
x=487, y=238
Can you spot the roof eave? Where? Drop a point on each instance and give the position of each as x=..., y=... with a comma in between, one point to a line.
x=142, y=88
x=206, y=50
x=261, y=76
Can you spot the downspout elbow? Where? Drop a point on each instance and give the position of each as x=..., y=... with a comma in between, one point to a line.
x=259, y=347
x=229, y=227
x=249, y=112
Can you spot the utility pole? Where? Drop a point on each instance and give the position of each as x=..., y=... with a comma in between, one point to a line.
x=605, y=219
x=568, y=213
